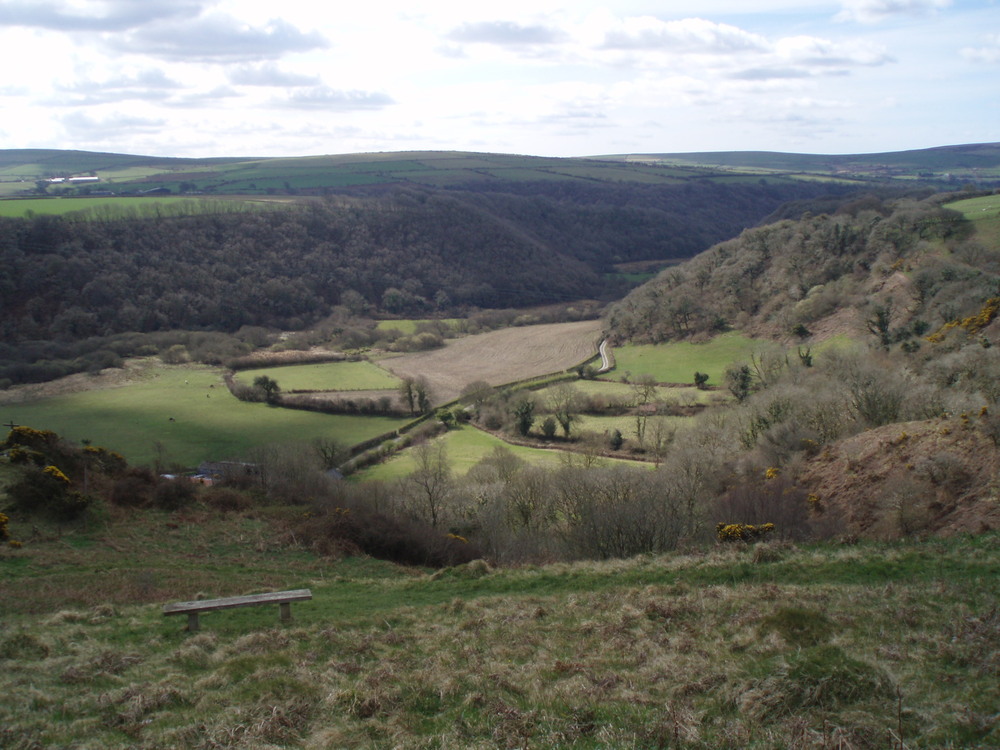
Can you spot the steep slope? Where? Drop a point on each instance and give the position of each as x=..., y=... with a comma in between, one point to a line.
x=893, y=270
x=936, y=476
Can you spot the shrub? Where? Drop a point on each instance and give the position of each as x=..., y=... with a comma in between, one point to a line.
x=357, y=529
x=765, y=502
x=133, y=489
x=742, y=532
x=616, y=440
x=226, y=499
x=173, y=494
x=108, y=462
x=48, y=493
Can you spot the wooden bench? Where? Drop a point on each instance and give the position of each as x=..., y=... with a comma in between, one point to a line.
x=282, y=598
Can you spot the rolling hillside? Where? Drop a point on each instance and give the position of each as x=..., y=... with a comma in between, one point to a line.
x=124, y=173
x=979, y=162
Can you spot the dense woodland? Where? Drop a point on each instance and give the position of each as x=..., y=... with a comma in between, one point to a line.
x=67, y=284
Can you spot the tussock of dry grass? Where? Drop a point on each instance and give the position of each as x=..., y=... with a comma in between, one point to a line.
x=640, y=653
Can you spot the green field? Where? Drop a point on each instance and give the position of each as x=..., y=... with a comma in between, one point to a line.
x=114, y=206
x=984, y=212
x=676, y=362
x=208, y=422
x=409, y=326
x=327, y=376
x=466, y=447
x=601, y=425
x=624, y=392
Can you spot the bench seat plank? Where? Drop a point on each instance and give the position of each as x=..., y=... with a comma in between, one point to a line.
x=208, y=605
x=282, y=598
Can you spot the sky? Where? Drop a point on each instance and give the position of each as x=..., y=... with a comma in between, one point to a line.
x=203, y=78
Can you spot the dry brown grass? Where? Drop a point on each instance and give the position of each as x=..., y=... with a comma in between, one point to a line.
x=818, y=647
x=499, y=356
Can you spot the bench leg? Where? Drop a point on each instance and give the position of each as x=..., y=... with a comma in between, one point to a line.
x=286, y=611
x=192, y=621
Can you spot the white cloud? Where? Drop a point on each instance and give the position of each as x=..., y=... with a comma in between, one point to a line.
x=215, y=77
x=217, y=37
x=504, y=33
x=151, y=84
x=110, y=129
x=988, y=53
x=96, y=15
x=814, y=51
x=690, y=35
x=873, y=11
x=203, y=99
x=325, y=98
x=269, y=74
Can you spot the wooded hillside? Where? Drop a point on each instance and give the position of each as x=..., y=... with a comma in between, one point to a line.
x=899, y=269
x=408, y=251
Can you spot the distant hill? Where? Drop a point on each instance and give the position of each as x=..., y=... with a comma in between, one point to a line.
x=977, y=162
x=126, y=174
x=129, y=174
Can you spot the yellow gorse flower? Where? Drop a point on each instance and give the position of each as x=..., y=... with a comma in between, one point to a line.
x=56, y=473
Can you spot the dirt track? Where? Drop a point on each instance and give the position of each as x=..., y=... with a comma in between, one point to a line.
x=499, y=356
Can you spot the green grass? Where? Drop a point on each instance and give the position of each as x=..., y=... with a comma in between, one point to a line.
x=676, y=362
x=984, y=212
x=208, y=422
x=626, y=424
x=466, y=447
x=409, y=326
x=60, y=206
x=624, y=392
x=677, y=650
x=115, y=206
x=329, y=376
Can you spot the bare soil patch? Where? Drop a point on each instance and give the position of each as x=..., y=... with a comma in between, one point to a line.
x=938, y=476
x=499, y=356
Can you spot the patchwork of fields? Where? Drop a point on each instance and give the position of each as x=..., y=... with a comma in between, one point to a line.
x=183, y=414
x=500, y=356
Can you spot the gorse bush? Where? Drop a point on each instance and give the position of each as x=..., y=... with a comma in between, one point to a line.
x=742, y=532
x=46, y=492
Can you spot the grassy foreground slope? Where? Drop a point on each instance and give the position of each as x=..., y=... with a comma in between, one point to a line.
x=865, y=646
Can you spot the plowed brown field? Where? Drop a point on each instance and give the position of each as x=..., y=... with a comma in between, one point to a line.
x=499, y=356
